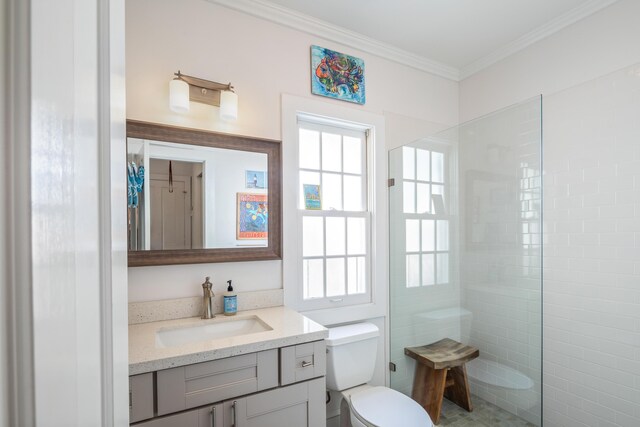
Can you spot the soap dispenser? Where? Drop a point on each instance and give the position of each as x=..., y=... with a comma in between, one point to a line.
x=230, y=300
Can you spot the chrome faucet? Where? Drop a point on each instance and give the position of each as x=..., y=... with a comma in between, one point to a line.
x=207, y=300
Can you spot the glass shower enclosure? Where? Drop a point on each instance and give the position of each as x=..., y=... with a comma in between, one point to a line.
x=466, y=255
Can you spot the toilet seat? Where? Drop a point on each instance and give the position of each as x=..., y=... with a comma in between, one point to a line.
x=384, y=407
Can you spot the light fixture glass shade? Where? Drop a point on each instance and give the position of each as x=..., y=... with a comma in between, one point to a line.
x=179, y=96
x=228, y=105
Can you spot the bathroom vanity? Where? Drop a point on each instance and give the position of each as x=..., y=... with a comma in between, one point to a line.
x=263, y=367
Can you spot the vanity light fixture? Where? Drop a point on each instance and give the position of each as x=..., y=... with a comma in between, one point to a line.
x=184, y=88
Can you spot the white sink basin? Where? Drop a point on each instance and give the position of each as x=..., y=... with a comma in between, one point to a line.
x=208, y=330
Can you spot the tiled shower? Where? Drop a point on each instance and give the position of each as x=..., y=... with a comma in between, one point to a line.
x=559, y=334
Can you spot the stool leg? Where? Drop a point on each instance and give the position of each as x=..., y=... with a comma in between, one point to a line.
x=419, y=391
x=458, y=392
x=428, y=389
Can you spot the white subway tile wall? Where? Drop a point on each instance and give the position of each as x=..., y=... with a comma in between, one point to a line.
x=592, y=253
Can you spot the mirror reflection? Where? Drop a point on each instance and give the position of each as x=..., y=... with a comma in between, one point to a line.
x=183, y=196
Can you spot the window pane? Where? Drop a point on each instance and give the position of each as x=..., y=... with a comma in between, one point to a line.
x=422, y=165
x=308, y=178
x=357, y=275
x=335, y=236
x=352, y=154
x=331, y=152
x=335, y=277
x=312, y=236
x=408, y=163
x=443, y=268
x=353, y=197
x=357, y=239
x=312, y=278
x=437, y=199
x=428, y=270
x=443, y=236
x=428, y=235
x=409, y=197
x=437, y=167
x=413, y=271
x=413, y=235
x=331, y=192
x=423, y=198
x=309, y=149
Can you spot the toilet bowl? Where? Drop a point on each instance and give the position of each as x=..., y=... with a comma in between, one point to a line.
x=351, y=354
x=382, y=406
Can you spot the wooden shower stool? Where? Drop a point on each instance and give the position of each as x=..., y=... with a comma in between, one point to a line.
x=440, y=372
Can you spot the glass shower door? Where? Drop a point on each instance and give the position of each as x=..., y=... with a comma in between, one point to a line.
x=465, y=254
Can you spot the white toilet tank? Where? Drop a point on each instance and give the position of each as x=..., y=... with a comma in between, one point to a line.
x=351, y=355
x=432, y=326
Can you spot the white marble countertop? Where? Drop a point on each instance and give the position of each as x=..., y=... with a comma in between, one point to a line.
x=289, y=328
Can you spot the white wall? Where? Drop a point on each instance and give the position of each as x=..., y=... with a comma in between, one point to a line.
x=591, y=339
x=599, y=44
x=262, y=60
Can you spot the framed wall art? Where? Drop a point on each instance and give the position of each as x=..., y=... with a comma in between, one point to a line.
x=337, y=75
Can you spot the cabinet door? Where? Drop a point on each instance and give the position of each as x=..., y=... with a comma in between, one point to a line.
x=298, y=405
x=140, y=397
x=210, y=416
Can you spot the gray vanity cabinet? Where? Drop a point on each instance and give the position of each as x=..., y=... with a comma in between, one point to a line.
x=271, y=388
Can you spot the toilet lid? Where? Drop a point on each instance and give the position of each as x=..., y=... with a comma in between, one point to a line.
x=383, y=407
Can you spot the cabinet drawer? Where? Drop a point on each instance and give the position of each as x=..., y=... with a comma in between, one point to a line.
x=203, y=383
x=203, y=417
x=140, y=397
x=303, y=361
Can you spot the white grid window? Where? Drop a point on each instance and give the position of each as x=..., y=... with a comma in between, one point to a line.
x=335, y=252
x=425, y=207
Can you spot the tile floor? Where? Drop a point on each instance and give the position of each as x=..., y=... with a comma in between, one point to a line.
x=484, y=414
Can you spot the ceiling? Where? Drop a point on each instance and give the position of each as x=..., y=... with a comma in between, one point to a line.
x=455, y=35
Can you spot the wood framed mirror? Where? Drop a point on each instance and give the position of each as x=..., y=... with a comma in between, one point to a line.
x=198, y=196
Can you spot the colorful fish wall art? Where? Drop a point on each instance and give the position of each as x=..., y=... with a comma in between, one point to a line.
x=337, y=75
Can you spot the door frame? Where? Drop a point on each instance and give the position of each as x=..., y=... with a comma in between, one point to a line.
x=22, y=341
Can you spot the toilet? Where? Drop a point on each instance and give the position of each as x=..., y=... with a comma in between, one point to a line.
x=351, y=358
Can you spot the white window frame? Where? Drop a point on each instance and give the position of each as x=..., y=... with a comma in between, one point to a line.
x=307, y=122
x=293, y=108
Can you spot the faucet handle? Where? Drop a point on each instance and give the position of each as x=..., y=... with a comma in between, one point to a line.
x=207, y=284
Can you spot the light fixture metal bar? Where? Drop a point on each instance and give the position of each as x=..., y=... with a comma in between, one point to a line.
x=204, y=91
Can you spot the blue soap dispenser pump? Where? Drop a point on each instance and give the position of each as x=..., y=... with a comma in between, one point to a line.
x=230, y=300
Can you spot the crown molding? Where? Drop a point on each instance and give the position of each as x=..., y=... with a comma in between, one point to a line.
x=316, y=27
x=307, y=24
x=571, y=17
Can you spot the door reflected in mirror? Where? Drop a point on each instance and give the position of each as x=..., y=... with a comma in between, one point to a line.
x=196, y=196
